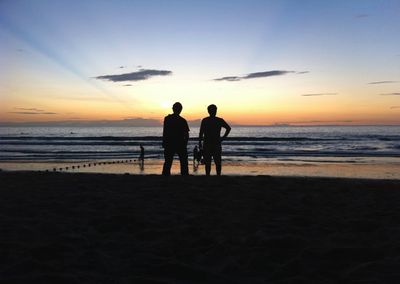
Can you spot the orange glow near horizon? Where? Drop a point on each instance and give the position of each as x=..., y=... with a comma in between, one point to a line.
x=259, y=114
x=257, y=102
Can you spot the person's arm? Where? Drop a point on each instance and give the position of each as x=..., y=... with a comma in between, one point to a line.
x=186, y=134
x=227, y=130
x=164, y=133
x=201, y=134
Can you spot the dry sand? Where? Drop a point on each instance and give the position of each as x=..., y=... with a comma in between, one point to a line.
x=93, y=228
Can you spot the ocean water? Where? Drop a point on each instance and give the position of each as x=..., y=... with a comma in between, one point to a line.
x=245, y=144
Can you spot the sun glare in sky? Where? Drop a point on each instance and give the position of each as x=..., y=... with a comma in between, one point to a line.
x=261, y=62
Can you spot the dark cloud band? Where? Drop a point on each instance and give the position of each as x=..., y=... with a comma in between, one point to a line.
x=29, y=109
x=391, y=94
x=229, y=78
x=31, y=112
x=140, y=75
x=258, y=75
x=23, y=110
x=267, y=74
x=382, y=82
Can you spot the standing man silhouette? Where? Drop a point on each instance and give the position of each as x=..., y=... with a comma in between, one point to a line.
x=210, y=130
x=175, y=139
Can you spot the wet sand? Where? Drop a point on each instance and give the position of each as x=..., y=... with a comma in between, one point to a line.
x=378, y=169
x=97, y=228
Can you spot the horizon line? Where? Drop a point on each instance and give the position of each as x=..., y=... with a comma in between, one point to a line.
x=93, y=122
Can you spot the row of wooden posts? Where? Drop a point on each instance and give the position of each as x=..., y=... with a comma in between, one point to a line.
x=93, y=164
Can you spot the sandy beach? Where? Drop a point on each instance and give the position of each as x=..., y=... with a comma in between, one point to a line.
x=379, y=169
x=98, y=228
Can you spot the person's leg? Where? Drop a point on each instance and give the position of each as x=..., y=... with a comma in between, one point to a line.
x=183, y=158
x=207, y=161
x=168, y=158
x=217, y=160
x=142, y=162
x=207, y=157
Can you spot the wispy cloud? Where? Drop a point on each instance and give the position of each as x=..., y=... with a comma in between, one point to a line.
x=255, y=75
x=267, y=74
x=395, y=107
x=361, y=16
x=382, y=82
x=318, y=121
x=319, y=94
x=390, y=94
x=229, y=78
x=30, y=111
x=140, y=75
x=127, y=85
x=76, y=121
x=84, y=98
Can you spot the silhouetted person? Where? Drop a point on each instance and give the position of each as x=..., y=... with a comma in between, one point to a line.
x=175, y=139
x=210, y=129
x=141, y=157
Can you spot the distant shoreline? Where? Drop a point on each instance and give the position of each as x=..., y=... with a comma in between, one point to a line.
x=84, y=124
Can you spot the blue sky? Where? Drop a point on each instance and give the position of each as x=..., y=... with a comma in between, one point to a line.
x=53, y=49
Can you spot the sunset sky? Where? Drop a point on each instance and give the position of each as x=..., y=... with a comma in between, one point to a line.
x=260, y=62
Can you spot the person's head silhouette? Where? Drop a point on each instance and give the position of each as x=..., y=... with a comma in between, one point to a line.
x=212, y=110
x=177, y=108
